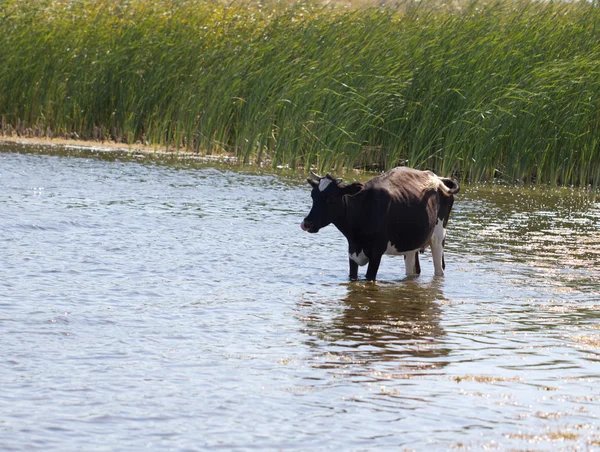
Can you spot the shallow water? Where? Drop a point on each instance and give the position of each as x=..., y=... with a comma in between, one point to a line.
x=156, y=307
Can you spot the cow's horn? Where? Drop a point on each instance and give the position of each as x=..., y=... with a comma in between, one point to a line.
x=315, y=176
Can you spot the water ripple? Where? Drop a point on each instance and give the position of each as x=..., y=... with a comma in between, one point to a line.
x=146, y=306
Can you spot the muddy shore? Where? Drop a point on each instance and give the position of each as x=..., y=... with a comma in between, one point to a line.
x=112, y=149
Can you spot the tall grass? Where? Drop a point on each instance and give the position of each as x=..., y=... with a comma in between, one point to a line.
x=485, y=89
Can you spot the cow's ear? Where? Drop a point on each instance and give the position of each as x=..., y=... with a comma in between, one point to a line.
x=312, y=183
x=352, y=189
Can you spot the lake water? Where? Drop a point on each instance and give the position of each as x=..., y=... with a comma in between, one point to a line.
x=157, y=307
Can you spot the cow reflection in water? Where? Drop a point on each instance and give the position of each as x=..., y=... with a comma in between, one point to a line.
x=395, y=324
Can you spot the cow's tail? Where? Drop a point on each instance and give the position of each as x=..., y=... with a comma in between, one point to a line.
x=449, y=186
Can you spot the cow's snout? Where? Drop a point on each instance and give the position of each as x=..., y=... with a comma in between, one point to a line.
x=307, y=226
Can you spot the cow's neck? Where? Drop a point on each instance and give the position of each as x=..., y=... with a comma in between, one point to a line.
x=342, y=221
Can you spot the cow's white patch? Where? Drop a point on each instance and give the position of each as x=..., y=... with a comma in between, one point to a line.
x=360, y=258
x=437, y=247
x=324, y=183
x=439, y=233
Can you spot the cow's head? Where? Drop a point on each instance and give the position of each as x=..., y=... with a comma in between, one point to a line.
x=327, y=194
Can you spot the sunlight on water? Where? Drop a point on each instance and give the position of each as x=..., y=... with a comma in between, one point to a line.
x=147, y=306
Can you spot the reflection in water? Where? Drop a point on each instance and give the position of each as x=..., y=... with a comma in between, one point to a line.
x=395, y=324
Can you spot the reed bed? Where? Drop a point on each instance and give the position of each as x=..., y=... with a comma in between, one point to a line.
x=482, y=90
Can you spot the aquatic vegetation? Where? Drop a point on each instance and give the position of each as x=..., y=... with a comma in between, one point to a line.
x=481, y=90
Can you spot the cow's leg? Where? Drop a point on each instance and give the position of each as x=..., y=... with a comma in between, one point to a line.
x=411, y=262
x=437, y=248
x=373, y=267
x=353, y=270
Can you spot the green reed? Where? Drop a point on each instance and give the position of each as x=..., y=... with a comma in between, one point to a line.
x=481, y=90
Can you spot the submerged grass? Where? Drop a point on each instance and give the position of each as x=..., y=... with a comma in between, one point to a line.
x=505, y=89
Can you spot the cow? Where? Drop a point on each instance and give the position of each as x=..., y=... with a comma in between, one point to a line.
x=399, y=212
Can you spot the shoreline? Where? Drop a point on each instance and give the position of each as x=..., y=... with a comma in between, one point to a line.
x=139, y=152
x=111, y=148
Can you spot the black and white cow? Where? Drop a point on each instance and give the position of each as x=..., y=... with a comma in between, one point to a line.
x=399, y=212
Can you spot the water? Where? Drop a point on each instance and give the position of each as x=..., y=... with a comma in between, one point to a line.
x=164, y=308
